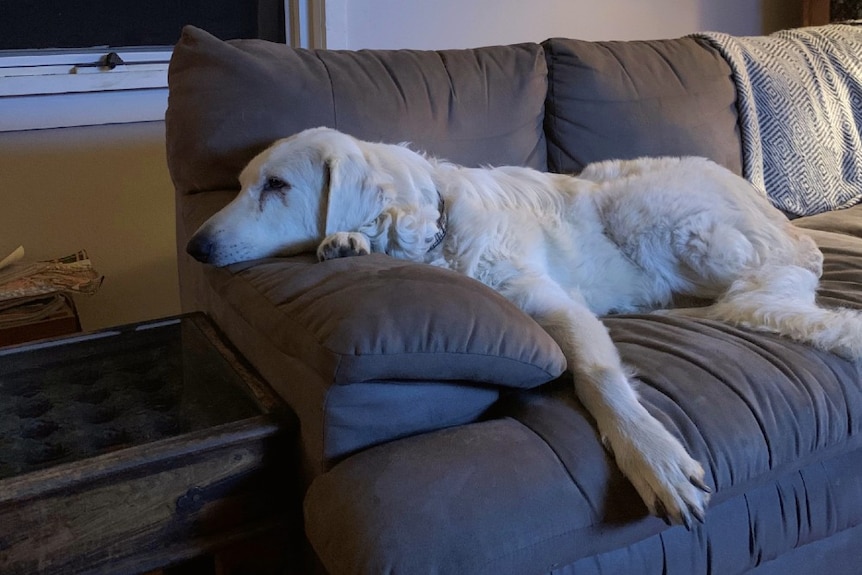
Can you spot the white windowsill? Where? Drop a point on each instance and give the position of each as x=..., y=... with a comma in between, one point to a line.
x=65, y=88
x=82, y=109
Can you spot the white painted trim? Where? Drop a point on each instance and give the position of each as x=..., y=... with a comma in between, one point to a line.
x=58, y=80
x=12, y=58
x=82, y=109
x=79, y=71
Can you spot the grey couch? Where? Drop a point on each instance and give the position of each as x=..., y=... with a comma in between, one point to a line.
x=439, y=430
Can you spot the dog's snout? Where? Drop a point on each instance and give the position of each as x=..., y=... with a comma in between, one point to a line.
x=200, y=247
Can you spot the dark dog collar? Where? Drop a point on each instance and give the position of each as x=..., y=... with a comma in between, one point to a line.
x=441, y=223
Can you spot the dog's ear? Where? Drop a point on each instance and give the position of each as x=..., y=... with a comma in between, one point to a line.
x=354, y=196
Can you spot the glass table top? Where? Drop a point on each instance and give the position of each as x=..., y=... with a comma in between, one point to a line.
x=76, y=397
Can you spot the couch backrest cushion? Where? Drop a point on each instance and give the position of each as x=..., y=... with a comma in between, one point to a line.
x=638, y=98
x=229, y=100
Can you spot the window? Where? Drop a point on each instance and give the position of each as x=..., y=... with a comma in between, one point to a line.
x=93, y=62
x=119, y=23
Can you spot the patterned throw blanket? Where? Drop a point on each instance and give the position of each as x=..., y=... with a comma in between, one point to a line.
x=799, y=94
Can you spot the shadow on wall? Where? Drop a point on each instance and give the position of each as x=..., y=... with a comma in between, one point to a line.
x=762, y=16
x=781, y=14
x=119, y=300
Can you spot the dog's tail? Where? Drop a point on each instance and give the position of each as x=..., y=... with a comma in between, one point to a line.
x=781, y=299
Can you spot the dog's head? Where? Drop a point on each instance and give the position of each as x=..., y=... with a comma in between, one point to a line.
x=293, y=194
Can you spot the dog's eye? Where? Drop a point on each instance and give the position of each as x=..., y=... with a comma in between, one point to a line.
x=274, y=183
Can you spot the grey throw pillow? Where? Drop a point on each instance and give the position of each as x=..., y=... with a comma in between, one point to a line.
x=374, y=318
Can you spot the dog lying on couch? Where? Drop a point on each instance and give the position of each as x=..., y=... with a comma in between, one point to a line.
x=622, y=236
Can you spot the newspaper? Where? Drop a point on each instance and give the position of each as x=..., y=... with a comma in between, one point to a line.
x=27, y=310
x=71, y=274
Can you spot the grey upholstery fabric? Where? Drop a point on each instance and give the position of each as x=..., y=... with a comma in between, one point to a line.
x=229, y=100
x=388, y=348
x=847, y=221
x=611, y=100
x=375, y=318
x=485, y=523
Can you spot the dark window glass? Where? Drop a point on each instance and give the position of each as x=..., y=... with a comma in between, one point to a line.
x=38, y=24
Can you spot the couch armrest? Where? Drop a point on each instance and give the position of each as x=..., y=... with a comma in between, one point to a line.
x=369, y=349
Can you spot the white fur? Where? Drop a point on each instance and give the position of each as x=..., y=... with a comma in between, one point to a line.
x=624, y=236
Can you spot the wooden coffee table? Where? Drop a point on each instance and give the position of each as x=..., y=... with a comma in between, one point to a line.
x=132, y=449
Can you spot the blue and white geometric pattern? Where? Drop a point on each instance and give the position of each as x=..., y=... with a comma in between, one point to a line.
x=799, y=94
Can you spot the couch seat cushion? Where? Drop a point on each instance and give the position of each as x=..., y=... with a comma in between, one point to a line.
x=847, y=221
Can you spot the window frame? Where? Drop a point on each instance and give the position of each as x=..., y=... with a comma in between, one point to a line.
x=62, y=88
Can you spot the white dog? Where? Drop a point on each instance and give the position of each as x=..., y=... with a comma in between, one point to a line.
x=624, y=236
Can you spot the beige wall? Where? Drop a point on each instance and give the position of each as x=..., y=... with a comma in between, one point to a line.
x=105, y=189
x=434, y=24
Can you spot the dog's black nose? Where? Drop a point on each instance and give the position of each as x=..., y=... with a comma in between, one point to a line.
x=200, y=248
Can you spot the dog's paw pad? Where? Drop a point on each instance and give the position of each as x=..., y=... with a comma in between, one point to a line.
x=343, y=245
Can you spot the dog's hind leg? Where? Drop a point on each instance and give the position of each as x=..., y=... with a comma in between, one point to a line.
x=714, y=253
x=668, y=479
x=781, y=299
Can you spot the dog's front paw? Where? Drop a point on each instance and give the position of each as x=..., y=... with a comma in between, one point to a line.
x=343, y=245
x=670, y=482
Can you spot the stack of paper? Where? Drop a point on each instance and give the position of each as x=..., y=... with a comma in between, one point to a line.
x=31, y=292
